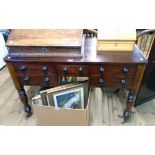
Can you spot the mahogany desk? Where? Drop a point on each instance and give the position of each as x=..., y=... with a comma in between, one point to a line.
x=112, y=71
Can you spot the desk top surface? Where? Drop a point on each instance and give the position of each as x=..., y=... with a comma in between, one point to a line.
x=90, y=57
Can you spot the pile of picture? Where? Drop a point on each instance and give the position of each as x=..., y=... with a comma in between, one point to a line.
x=72, y=96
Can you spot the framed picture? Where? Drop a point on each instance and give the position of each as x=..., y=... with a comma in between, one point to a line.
x=37, y=100
x=70, y=98
x=44, y=96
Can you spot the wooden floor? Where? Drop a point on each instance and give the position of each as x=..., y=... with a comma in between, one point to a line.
x=106, y=107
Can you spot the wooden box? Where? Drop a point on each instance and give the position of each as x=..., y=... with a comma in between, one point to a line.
x=46, y=43
x=116, y=40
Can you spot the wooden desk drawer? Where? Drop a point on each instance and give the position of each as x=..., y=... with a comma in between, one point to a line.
x=114, y=77
x=73, y=70
x=34, y=69
x=111, y=83
x=38, y=80
x=113, y=70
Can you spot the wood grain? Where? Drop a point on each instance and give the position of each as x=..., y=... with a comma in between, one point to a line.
x=45, y=37
x=13, y=75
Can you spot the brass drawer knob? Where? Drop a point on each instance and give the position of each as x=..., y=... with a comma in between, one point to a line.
x=23, y=69
x=125, y=70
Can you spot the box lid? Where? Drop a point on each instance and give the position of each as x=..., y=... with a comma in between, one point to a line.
x=117, y=34
x=45, y=37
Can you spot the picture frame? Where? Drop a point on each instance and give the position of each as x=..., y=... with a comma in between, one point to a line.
x=53, y=95
x=37, y=100
x=44, y=96
x=71, y=98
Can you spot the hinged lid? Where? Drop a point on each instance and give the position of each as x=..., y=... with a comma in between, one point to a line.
x=117, y=34
x=45, y=37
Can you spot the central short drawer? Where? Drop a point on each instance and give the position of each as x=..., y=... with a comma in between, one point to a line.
x=73, y=70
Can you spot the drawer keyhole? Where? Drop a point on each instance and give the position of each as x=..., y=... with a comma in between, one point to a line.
x=44, y=50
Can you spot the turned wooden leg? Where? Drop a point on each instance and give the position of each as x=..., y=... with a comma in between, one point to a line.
x=20, y=90
x=24, y=100
x=133, y=92
x=130, y=102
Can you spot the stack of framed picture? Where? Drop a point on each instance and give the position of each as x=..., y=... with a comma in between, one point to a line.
x=66, y=96
x=62, y=105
